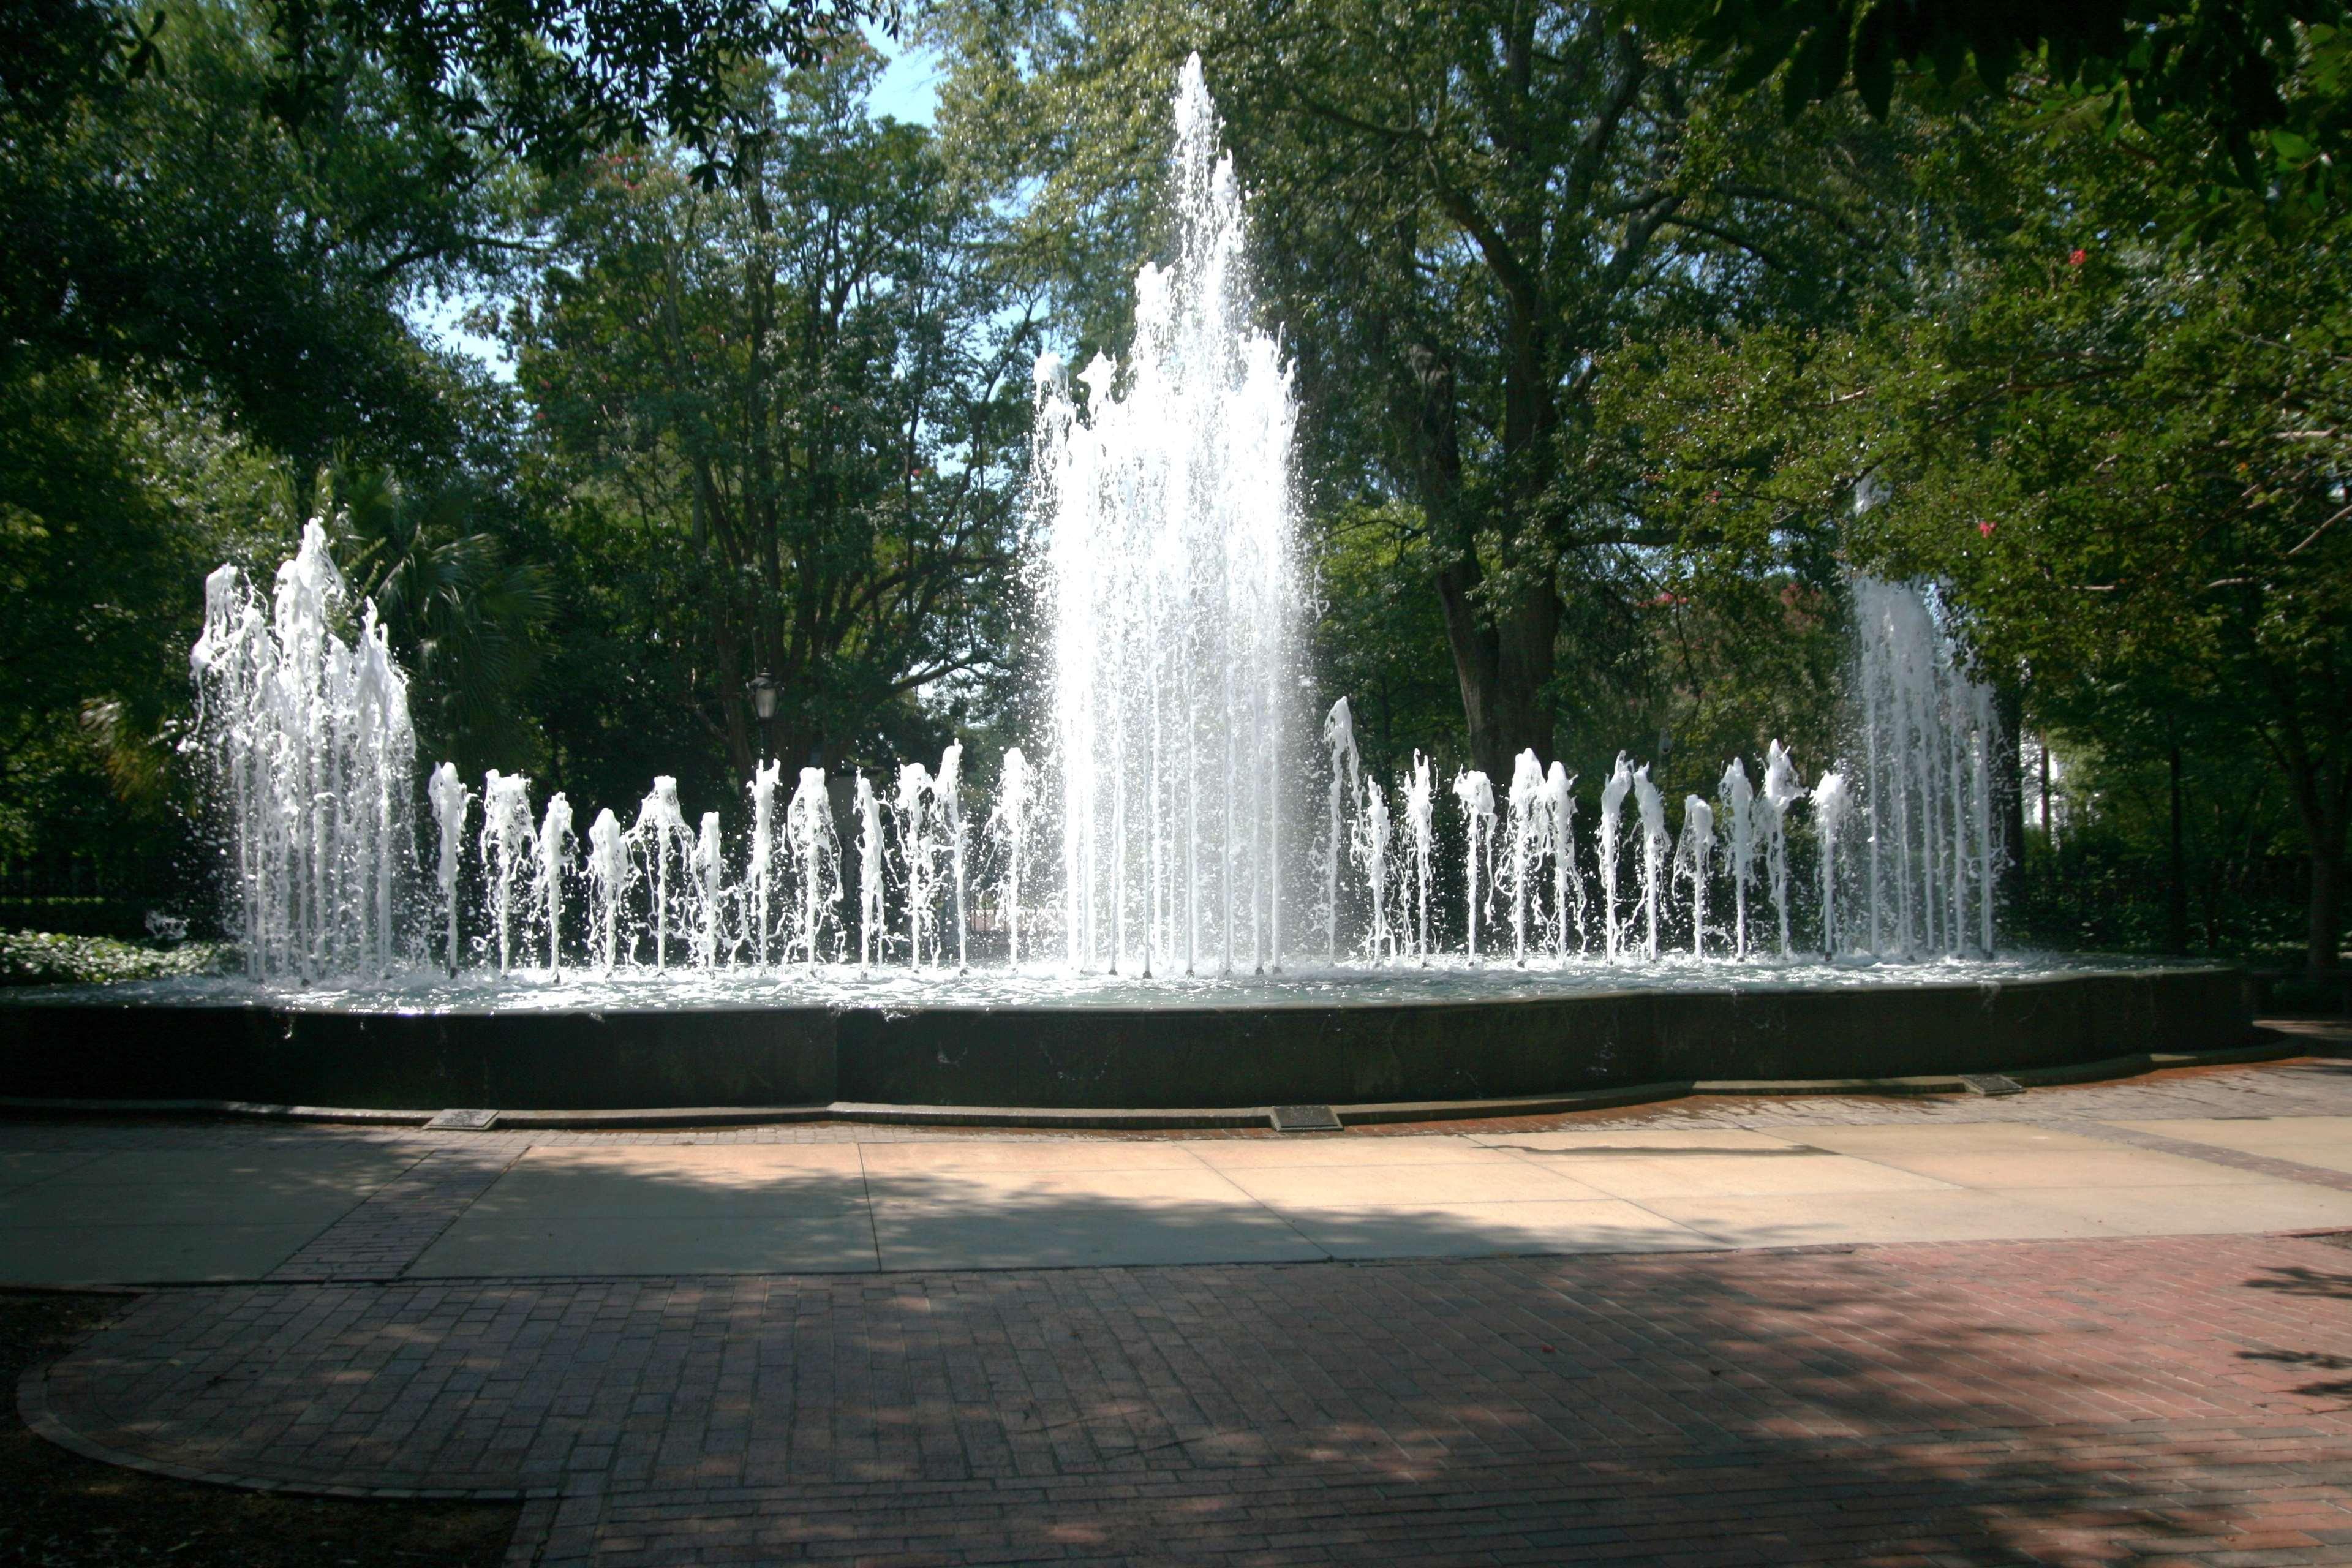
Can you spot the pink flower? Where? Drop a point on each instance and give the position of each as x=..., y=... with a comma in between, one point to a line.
x=2077, y=257
x=1984, y=530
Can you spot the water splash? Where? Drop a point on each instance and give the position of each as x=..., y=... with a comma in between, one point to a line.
x=1567, y=877
x=1739, y=843
x=312, y=762
x=1172, y=578
x=815, y=852
x=1783, y=789
x=1830, y=805
x=767, y=852
x=1340, y=736
x=1476, y=797
x=509, y=848
x=870, y=935
x=1526, y=831
x=1421, y=825
x=1694, y=861
x=1930, y=743
x=1655, y=842
x=609, y=876
x=1606, y=846
x=553, y=849
x=450, y=802
x=659, y=841
x=1373, y=847
x=1010, y=825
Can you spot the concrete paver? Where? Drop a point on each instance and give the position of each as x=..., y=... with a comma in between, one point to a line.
x=2322, y=1140
x=148, y=1254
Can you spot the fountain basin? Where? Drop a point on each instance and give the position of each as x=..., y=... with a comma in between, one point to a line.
x=1326, y=1041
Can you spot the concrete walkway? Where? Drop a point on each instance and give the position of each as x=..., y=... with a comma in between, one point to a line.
x=2206, y=1151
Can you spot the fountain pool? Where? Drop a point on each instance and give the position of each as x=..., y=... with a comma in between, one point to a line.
x=1183, y=892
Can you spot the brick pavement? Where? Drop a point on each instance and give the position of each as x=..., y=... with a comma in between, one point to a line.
x=2126, y=1400
x=2142, y=1401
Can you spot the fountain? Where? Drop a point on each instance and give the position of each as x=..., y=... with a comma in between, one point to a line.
x=1181, y=779
x=1476, y=797
x=1171, y=563
x=1421, y=822
x=1693, y=860
x=1010, y=822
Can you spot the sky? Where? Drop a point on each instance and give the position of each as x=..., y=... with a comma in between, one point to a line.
x=908, y=91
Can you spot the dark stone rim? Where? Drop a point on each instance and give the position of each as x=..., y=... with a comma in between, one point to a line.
x=1067, y=1056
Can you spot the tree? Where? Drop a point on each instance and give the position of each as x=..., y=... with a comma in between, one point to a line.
x=2124, y=460
x=794, y=393
x=1469, y=207
x=2260, y=82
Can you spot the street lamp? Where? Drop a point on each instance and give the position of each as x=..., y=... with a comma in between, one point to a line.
x=763, y=704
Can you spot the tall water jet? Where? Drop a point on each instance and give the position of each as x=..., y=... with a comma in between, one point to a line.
x=1605, y=848
x=312, y=760
x=1478, y=799
x=508, y=848
x=947, y=790
x=1829, y=814
x=1655, y=842
x=910, y=813
x=1340, y=736
x=449, y=802
x=869, y=872
x=1783, y=789
x=553, y=849
x=1011, y=824
x=660, y=837
x=1931, y=751
x=710, y=903
x=608, y=884
x=1420, y=815
x=765, y=851
x=1526, y=829
x=1372, y=835
x=815, y=850
x=1739, y=843
x=1174, y=583
x=1568, y=879
x=1693, y=859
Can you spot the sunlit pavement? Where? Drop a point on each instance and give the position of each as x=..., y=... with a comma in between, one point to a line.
x=2066, y=1325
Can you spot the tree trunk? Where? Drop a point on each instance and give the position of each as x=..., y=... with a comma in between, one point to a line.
x=2327, y=909
x=1503, y=657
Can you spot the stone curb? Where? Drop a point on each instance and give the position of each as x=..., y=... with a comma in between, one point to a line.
x=33, y=1406
x=2276, y=1048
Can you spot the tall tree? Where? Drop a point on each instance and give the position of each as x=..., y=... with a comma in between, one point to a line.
x=1465, y=208
x=799, y=387
x=2124, y=459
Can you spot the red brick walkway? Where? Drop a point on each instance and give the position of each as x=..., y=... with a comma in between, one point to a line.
x=2129, y=1401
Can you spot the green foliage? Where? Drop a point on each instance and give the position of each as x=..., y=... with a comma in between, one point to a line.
x=42, y=958
x=783, y=418
x=2256, y=89
x=176, y=234
x=2125, y=462
x=1468, y=208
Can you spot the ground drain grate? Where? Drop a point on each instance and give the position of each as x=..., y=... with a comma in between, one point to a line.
x=463, y=1121
x=1303, y=1119
x=1991, y=1083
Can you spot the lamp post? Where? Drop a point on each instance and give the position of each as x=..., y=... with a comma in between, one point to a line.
x=763, y=705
